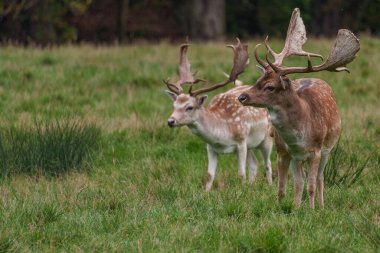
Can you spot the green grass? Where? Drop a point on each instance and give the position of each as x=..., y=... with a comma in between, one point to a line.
x=48, y=149
x=144, y=192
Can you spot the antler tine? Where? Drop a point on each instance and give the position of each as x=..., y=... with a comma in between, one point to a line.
x=343, y=52
x=241, y=59
x=272, y=65
x=172, y=87
x=278, y=58
x=258, y=59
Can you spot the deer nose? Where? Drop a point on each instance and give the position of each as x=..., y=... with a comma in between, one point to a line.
x=243, y=98
x=171, y=122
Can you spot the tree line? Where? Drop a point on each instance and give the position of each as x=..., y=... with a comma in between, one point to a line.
x=103, y=21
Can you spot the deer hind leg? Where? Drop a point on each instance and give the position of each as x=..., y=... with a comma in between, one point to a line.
x=252, y=165
x=298, y=176
x=266, y=150
x=313, y=173
x=283, y=167
x=242, y=159
x=320, y=177
x=212, y=163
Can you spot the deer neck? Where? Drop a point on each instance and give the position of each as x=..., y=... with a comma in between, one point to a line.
x=289, y=111
x=204, y=125
x=290, y=117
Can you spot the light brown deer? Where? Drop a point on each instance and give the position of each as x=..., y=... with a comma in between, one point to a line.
x=225, y=125
x=303, y=111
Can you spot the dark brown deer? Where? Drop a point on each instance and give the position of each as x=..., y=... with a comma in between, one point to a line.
x=225, y=125
x=303, y=111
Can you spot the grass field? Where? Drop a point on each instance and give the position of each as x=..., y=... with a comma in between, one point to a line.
x=144, y=190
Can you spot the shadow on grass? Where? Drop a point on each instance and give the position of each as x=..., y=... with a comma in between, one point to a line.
x=47, y=148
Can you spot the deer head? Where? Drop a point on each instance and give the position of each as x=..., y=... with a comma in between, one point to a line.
x=187, y=105
x=274, y=85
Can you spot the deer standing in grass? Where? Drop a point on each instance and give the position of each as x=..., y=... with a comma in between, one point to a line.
x=303, y=111
x=225, y=125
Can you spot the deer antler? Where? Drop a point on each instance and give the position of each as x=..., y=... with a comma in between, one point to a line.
x=295, y=38
x=184, y=72
x=343, y=52
x=241, y=60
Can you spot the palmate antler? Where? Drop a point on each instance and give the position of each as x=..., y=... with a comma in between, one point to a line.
x=186, y=77
x=343, y=52
x=295, y=38
x=184, y=73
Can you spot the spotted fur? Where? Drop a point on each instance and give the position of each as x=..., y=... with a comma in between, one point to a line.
x=226, y=126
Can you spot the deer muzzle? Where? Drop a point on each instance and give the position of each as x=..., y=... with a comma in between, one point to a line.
x=171, y=122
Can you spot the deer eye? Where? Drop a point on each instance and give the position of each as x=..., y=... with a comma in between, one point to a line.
x=269, y=88
x=189, y=108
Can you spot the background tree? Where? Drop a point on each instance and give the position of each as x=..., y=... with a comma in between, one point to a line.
x=99, y=21
x=208, y=19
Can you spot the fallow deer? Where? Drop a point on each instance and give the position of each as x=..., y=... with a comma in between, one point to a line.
x=225, y=125
x=303, y=111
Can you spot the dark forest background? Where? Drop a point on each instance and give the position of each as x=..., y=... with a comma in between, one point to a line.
x=104, y=21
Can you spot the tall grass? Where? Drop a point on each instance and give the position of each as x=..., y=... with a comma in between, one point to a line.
x=48, y=148
x=345, y=166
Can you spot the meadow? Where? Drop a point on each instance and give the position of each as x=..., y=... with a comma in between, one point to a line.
x=141, y=187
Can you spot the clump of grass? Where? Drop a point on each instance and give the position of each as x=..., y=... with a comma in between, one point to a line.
x=344, y=167
x=47, y=148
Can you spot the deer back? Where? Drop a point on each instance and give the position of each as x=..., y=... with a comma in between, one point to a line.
x=239, y=119
x=324, y=119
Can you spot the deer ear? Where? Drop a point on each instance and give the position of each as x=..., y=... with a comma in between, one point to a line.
x=285, y=82
x=172, y=95
x=202, y=100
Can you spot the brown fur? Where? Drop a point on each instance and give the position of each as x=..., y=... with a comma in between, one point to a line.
x=307, y=123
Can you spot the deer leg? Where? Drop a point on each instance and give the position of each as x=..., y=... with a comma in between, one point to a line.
x=252, y=165
x=320, y=178
x=212, y=162
x=242, y=159
x=266, y=150
x=313, y=171
x=283, y=167
x=298, y=176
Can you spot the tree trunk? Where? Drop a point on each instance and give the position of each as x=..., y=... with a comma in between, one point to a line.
x=122, y=20
x=208, y=19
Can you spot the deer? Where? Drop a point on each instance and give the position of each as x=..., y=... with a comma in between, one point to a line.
x=225, y=125
x=304, y=111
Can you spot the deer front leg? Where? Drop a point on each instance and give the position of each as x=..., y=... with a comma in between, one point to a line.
x=283, y=167
x=252, y=165
x=266, y=150
x=298, y=176
x=212, y=162
x=314, y=161
x=242, y=159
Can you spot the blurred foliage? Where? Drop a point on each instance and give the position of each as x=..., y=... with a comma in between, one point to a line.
x=41, y=21
x=60, y=21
